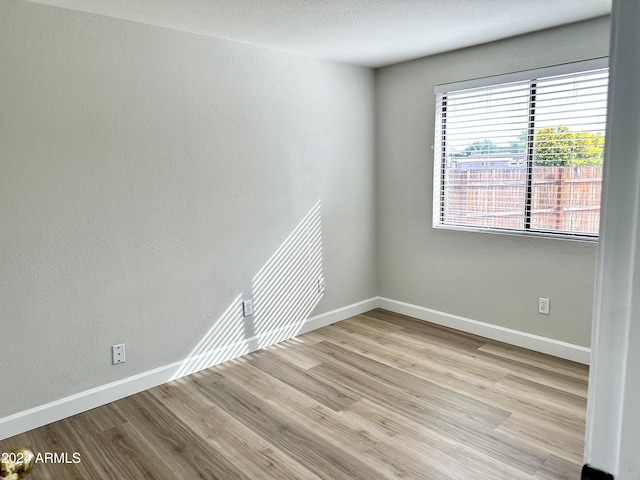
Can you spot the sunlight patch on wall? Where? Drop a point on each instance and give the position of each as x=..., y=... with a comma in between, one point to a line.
x=284, y=292
x=223, y=341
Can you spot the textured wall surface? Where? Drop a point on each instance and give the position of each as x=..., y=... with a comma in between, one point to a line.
x=491, y=278
x=147, y=177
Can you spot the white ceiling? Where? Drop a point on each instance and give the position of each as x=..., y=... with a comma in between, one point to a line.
x=372, y=33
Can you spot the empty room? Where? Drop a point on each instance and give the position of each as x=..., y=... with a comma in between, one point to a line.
x=270, y=239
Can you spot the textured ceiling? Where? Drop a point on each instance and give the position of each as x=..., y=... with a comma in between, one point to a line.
x=372, y=33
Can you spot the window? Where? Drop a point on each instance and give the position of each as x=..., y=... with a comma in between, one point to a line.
x=522, y=153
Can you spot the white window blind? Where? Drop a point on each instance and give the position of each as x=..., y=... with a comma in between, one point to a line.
x=523, y=155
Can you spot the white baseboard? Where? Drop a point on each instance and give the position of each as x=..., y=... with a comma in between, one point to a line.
x=339, y=314
x=537, y=343
x=83, y=401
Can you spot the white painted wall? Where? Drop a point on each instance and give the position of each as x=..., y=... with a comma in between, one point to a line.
x=490, y=278
x=613, y=416
x=146, y=176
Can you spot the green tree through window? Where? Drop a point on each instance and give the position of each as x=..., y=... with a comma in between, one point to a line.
x=556, y=146
x=561, y=146
x=482, y=146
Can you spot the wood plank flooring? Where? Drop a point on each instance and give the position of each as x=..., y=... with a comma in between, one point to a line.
x=377, y=396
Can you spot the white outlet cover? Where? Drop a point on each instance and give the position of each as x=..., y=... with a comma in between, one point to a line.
x=117, y=354
x=247, y=308
x=543, y=305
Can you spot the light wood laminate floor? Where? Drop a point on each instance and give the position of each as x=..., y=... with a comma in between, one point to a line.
x=377, y=396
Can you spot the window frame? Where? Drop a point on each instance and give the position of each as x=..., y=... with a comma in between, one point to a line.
x=440, y=153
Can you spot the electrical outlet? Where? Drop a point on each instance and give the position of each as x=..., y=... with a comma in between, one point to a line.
x=321, y=285
x=543, y=305
x=117, y=354
x=247, y=308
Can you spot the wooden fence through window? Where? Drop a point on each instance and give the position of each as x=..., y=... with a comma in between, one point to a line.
x=563, y=199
